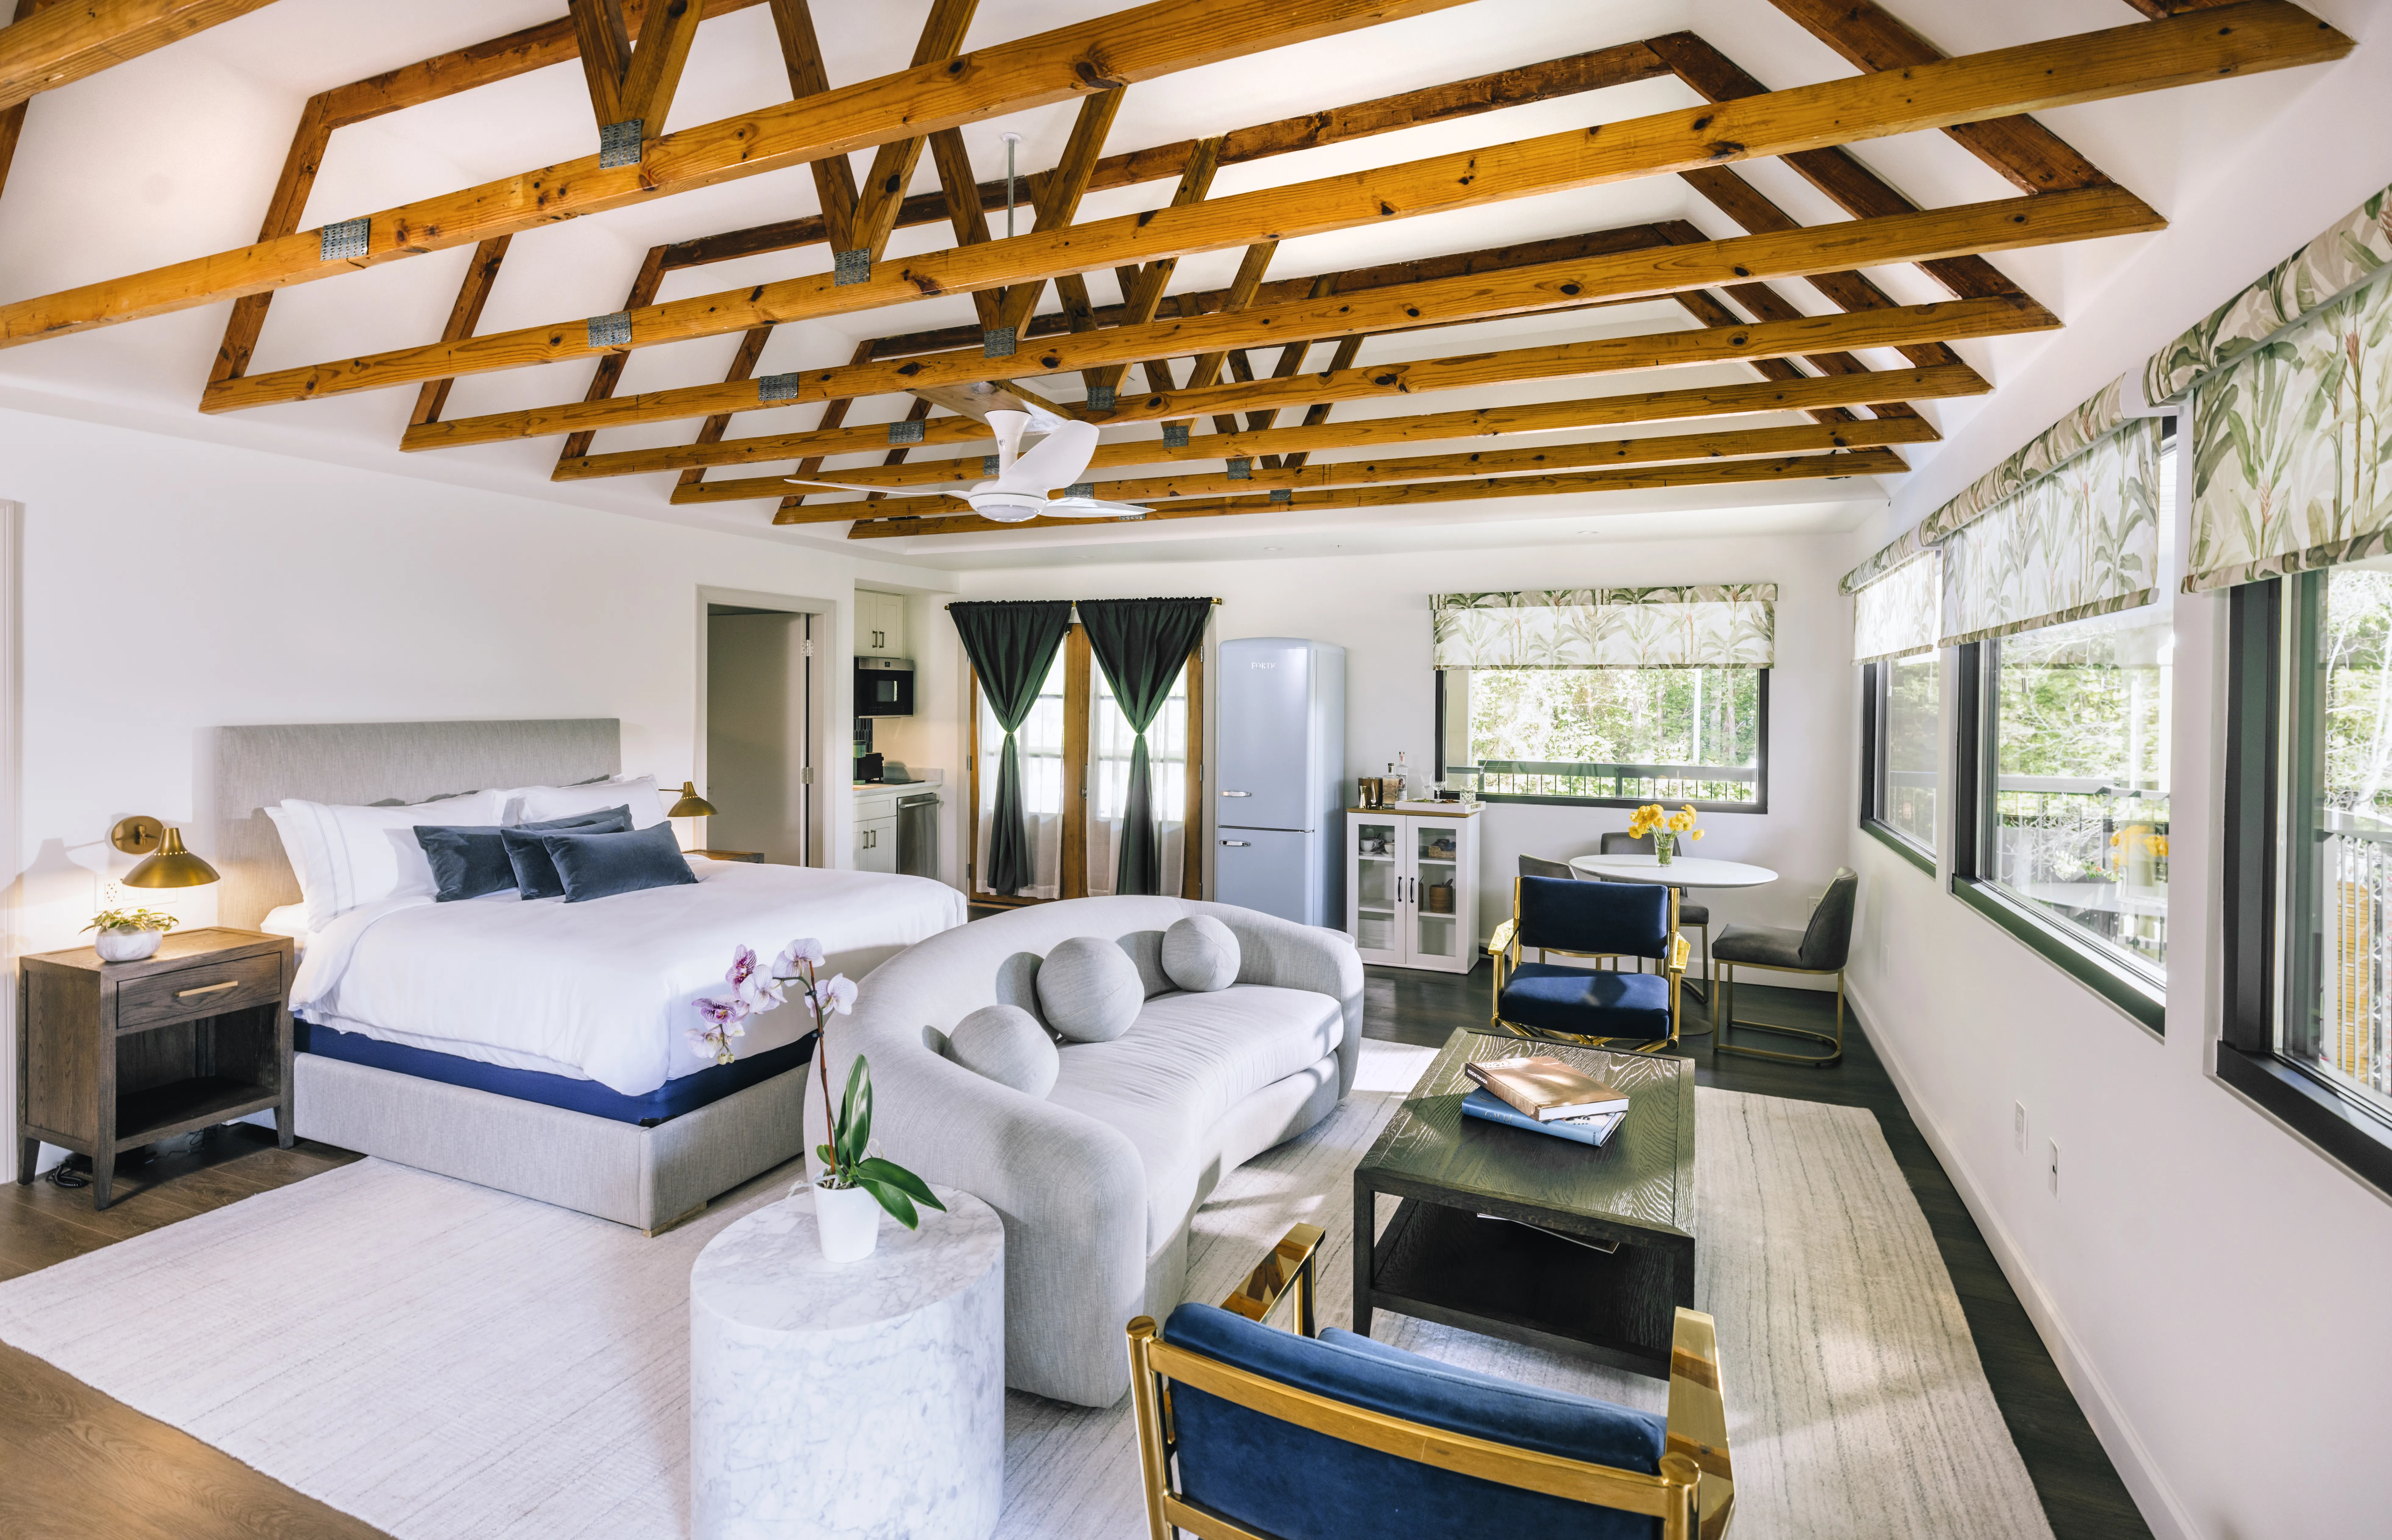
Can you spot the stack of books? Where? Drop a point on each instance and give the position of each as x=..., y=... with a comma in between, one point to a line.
x=1545, y=1095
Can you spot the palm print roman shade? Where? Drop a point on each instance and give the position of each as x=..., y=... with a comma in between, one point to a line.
x=2289, y=382
x=1724, y=625
x=1901, y=612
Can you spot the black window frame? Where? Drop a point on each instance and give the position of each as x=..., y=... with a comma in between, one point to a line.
x=1759, y=802
x=2264, y=620
x=1877, y=678
x=1974, y=769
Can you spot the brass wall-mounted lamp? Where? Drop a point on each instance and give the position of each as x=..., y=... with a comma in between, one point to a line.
x=691, y=806
x=165, y=864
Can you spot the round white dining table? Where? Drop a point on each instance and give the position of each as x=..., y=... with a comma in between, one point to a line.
x=1686, y=871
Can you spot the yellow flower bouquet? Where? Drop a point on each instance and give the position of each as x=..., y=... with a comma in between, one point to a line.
x=1665, y=826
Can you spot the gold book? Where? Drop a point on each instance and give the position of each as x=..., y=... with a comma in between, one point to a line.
x=1545, y=1088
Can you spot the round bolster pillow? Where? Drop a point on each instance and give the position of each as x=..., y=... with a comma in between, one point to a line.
x=1200, y=953
x=1006, y=1043
x=1089, y=989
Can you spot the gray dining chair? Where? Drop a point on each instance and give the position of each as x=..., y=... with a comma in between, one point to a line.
x=1821, y=947
x=1691, y=917
x=1539, y=866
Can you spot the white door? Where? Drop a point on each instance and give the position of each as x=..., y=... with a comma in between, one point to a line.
x=1440, y=934
x=1375, y=906
x=875, y=844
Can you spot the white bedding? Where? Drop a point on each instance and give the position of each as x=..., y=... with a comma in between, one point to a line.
x=603, y=990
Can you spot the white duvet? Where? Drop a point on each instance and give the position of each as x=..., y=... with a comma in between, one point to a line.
x=603, y=990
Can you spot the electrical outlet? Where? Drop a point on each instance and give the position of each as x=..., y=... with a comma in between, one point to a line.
x=113, y=896
x=2052, y=1148
x=2017, y=1126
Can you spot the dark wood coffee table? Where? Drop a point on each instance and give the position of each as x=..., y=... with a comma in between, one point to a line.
x=1603, y=1251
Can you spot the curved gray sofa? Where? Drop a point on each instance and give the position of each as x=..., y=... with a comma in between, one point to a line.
x=1097, y=1181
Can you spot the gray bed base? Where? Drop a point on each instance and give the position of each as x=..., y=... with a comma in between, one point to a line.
x=647, y=1178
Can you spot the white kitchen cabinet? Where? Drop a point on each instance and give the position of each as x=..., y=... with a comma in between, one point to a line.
x=1411, y=888
x=876, y=841
x=880, y=624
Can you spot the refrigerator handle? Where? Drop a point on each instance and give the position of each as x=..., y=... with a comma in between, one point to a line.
x=1239, y=844
x=1236, y=794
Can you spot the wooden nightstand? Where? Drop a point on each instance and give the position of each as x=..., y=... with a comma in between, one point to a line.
x=755, y=855
x=113, y=1055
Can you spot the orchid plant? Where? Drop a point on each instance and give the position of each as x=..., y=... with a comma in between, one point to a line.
x=847, y=1158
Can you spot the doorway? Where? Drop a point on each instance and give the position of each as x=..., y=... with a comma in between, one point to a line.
x=759, y=732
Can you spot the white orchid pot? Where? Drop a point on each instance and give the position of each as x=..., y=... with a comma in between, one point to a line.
x=126, y=945
x=847, y=1220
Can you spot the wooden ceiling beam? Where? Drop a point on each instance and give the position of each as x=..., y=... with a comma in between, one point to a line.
x=1656, y=406
x=893, y=162
x=56, y=45
x=1557, y=78
x=609, y=373
x=2033, y=157
x=1058, y=65
x=2005, y=223
x=2092, y=66
x=1057, y=195
x=1142, y=292
x=1715, y=444
x=966, y=217
x=12, y=118
x=835, y=192
x=481, y=276
x=1731, y=473
x=606, y=48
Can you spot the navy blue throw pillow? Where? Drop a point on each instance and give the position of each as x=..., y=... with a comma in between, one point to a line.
x=535, y=873
x=470, y=860
x=600, y=865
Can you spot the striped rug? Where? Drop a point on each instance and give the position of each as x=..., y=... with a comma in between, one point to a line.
x=444, y=1361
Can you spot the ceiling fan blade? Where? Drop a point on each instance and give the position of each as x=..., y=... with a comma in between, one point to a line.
x=1057, y=461
x=951, y=488
x=1091, y=507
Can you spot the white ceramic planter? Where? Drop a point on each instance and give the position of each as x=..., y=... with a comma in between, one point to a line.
x=848, y=1220
x=126, y=945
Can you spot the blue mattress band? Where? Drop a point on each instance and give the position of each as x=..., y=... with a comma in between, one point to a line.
x=668, y=1101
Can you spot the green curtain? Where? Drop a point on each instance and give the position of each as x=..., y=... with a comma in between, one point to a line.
x=1142, y=645
x=1011, y=644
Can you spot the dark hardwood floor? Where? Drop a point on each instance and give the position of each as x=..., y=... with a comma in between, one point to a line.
x=2082, y=1495
x=75, y=1465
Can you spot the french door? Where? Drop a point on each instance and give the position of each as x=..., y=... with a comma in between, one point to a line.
x=1075, y=753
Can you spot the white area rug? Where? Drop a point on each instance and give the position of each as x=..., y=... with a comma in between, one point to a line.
x=441, y=1360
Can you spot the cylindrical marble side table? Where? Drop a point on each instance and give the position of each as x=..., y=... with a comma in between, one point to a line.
x=858, y=1400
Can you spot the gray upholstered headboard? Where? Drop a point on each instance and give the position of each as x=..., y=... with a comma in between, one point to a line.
x=373, y=762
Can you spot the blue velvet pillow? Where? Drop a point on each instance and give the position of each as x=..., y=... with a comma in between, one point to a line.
x=600, y=865
x=1285, y=1480
x=470, y=860
x=535, y=873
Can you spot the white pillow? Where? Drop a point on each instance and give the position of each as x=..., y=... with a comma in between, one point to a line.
x=1200, y=953
x=344, y=856
x=1090, y=990
x=1006, y=1043
x=532, y=804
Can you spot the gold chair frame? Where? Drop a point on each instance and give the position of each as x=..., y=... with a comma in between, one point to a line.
x=1504, y=947
x=1722, y=1026
x=1693, y=1495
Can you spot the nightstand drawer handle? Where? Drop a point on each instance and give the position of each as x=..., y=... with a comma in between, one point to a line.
x=207, y=989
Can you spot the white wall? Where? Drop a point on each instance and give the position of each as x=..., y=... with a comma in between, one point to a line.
x=1376, y=607
x=2210, y=1284
x=172, y=586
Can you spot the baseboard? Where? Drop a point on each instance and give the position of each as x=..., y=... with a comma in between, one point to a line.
x=2161, y=1509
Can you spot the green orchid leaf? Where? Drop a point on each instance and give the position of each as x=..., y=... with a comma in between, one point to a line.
x=878, y=1170
x=900, y=1207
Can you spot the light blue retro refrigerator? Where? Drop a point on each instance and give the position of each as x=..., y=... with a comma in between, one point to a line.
x=1277, y=806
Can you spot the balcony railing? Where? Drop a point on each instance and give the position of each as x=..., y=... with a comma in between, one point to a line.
x=1662, y=783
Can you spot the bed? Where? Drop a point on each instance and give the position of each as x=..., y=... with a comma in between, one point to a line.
x=538, y=1046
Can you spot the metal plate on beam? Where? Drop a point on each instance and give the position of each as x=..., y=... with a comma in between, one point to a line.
x=1081, y=489
x=988, y=465
x=1283, y=494
x=776, y=387
x=1175, y=436
x=1241, y=470
x=619, y=143
x=613, y=330
x=1102, y=398
x=848, y=267
x=905, y=432
x=346, y=240
x=996, y=343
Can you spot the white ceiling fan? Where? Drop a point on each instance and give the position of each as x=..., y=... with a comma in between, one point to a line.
x=1023, y=480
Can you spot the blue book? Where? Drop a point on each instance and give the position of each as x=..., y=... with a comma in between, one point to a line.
x=1592, y=1129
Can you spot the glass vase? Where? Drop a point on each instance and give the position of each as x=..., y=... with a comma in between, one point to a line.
x=1665, y=845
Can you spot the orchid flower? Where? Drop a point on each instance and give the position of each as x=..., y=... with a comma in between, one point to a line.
x=834, y=995
x=723, y=1023
x=804, y=949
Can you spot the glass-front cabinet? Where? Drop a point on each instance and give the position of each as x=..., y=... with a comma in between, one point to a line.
x=1411, y=888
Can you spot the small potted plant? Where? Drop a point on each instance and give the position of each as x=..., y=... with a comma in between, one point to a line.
x=1665, y=826
x=856, y=1185
x=128, y=936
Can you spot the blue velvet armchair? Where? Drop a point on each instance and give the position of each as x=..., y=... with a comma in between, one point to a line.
x=1248, y=1432
x=1597, y=1007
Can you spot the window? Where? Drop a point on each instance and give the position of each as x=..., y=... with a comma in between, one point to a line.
x=2309, y=916
x=2065, y=758
x=1902, y=725
x=1610, y=736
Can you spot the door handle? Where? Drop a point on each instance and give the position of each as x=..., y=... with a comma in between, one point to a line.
x=207, y=989
x=1239, y=844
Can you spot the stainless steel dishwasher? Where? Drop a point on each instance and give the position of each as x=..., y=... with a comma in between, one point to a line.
x=917, y=834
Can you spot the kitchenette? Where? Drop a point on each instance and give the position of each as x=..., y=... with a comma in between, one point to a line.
x=897, y=805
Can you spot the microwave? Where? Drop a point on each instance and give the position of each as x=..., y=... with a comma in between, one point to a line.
x=884, y=686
